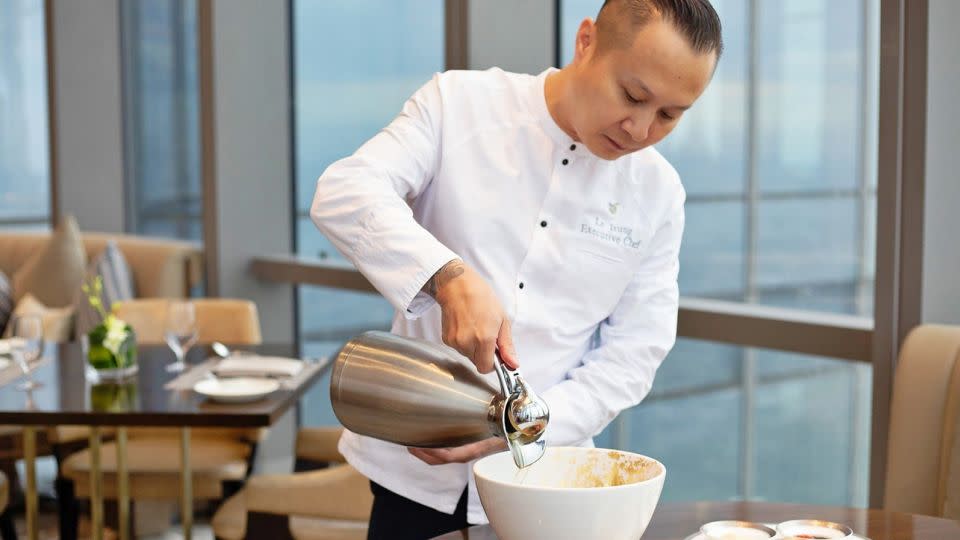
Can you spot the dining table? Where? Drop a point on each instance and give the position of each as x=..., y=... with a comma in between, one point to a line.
x=682, y=521
x=70, y=394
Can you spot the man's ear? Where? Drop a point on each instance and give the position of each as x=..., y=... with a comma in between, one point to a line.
x=586, y=43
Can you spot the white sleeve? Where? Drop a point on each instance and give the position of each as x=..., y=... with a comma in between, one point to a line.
x=634, y=340
x=361, y=203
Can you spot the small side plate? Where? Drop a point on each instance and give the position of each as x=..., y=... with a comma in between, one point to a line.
x=236, y=389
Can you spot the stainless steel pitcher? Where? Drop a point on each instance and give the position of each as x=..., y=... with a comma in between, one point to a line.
x=419, y=393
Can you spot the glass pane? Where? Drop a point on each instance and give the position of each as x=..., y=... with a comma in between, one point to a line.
x=341, y=100
x=711, y=261
x=796, y=455
x=811, y=247
x=161, y=115
x=732, y=423
x=24, y=143
x=811, y=105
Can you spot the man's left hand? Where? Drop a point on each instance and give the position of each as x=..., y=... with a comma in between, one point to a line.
x=459, y=454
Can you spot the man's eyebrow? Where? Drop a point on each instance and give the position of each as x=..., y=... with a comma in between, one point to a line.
x=643, y=86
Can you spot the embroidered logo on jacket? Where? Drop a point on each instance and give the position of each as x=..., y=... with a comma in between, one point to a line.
x=612, y=232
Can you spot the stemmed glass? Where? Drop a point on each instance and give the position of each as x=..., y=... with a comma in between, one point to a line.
x=180, y=332
x=29, y=330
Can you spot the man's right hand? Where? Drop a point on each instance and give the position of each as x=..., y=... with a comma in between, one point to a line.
x=474, y=322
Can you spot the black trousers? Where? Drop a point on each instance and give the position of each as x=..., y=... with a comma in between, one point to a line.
x=398, y=518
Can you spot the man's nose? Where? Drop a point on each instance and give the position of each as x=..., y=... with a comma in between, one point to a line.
x=638, y=124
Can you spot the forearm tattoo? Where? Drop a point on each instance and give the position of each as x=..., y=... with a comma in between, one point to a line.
x=443, y=276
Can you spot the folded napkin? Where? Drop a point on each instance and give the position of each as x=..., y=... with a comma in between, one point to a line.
x=251, y=365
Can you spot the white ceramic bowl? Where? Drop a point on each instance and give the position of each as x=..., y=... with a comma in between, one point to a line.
x=571, y=493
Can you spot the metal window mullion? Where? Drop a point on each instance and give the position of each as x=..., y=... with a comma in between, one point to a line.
x=859, y=414
x=455, y=35
x=862, y=167
x=752, y=245
x=179, y=101
x=900, y=169
x=131, y=91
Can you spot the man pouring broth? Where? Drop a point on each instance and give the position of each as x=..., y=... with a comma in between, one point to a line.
x=530, y=215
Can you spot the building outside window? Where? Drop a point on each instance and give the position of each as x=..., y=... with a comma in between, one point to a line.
x=161, y=118
x=24, y=132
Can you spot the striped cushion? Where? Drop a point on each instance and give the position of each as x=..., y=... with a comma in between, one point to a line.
x=6, y=301
x=117, y=285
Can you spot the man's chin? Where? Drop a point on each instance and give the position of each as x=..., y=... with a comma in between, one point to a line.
x=605, y=152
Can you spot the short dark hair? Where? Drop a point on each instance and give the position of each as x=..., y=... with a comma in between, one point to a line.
x=696, y=20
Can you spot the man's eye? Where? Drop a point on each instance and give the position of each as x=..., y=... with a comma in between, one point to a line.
x=630, y=98
x=666, y=116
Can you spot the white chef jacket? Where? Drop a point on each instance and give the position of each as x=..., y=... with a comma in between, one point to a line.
x=582, y=252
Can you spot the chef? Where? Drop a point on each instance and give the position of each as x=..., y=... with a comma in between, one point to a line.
x=528, y=214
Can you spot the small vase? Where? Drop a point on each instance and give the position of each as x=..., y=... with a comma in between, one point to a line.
x=104, y=363
x=113, y=396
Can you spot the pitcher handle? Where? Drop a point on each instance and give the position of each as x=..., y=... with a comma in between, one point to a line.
x=507, y=377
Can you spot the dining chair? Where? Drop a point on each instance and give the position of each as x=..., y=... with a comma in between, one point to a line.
x=923, y=449
x=220, y=458
x=226, y=320
x=331, y=503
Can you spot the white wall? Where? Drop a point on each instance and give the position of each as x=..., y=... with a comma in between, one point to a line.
x=941, y=251
x=252, y=167
x=252, y=195
x=88, y=126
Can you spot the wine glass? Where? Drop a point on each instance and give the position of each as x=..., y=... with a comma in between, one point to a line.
x=180, y=332
x=29, y=331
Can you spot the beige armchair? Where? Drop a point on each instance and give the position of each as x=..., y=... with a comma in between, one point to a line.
x=160, y=267
x=326, y=504
x=218, y=319
x=219, y=456
x=923, y=462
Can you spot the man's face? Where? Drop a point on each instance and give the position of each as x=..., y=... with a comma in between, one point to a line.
x=628, y=98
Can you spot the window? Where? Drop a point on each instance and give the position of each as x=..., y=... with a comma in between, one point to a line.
x=341, y=100
x=24, y=142
x=161, y=118
x=778, y=159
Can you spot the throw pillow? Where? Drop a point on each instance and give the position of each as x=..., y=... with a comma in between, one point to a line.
x=57, y=322
x=114, y=271
x=54, y=274
x=6, y=301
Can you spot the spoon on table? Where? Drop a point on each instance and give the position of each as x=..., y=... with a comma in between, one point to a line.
x=220, y=349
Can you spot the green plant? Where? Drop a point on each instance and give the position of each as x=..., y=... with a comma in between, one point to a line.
x=112, y=343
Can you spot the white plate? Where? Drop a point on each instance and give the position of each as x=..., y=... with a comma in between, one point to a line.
x=236, y=390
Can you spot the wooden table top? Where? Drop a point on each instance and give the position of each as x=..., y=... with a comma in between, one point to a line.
x=67, y=398
x=677, y=521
